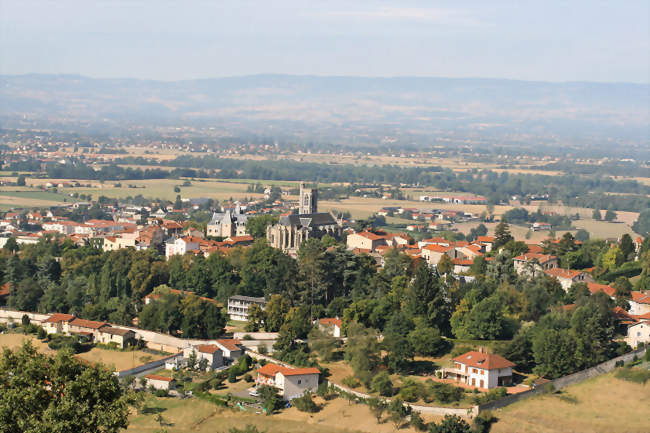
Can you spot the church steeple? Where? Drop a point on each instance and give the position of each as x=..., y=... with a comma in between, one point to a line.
x=308, y=200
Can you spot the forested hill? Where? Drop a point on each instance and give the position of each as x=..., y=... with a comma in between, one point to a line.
x=479, y=108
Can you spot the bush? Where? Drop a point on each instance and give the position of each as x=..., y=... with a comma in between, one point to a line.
x=232, y=375
x=305, y=403
x=351, y=382
x=41, y=334
x=445, y=393
x=382, y=384
x=262, y=350
x=160, y=393
x=248, y=377
x=25, y=320
x=635, y=375
x=411, y=390
x=483, y=422
x=491, y=395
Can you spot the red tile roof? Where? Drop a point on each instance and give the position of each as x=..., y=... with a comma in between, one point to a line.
x=207, y=348
x=330, y=321
x=640, y=297
x=595, y=288
x=541, y=258
x=487, y=361
x=370, y=235
x=91, y=324
x=4, y=289
x=437, y=248
x=230, y=344
x=157, y=377
x=563, y=273
x=486, y=239
x=272, y=369
x=59, y=317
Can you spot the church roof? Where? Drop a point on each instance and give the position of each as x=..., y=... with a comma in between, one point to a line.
x=308, y=220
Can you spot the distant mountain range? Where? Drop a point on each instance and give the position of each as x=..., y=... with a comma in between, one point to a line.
x=375, y=107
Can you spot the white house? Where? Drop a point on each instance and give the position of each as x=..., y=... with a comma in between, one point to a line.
x=569, y=277
x=639, y=333
x=238, y=306
x=531, y=263
x=182, y=245
x=160, y=382
x=231, y=348
x=210, y=352
x=640, y=303
x=292, y=382
x=58, y=323
x=482, y=370
x=331, y=325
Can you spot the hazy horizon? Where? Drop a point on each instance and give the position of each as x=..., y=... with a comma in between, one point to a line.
x=579, y=41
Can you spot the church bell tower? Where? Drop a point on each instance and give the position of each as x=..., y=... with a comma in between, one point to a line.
x=308, y=200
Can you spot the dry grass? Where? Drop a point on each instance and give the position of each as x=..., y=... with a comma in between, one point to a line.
x=110, y=358
x=336, y=416
x=604, y=405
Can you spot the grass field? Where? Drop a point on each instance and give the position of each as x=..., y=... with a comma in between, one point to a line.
x=194, y=415
x=602, y=405
x=111, y=358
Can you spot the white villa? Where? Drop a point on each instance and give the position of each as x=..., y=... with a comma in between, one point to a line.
x=482, y=370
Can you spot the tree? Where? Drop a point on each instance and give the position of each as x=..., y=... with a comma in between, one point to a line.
x=362, y=352
x=382, y=384
x=610, y=215
x=256, y=226
x=426, y=340
x=398, y=411
x=596, y=215
x=501, y=235
x=255, y=318
x=20, y=181
x=399, y=348
x=613, y=258
x=450, y=424
x=642, y=224
x=582, y=235
x=445, y=265
x=270, y=399
x=277, y=307
x=377, y=406
x=627, y=247
x=178, y=204
x=60, y=394
x=323, y=343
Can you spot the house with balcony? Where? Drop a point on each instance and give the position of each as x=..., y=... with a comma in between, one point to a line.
x=291, y=382
x=238, y=306
x=481, y=370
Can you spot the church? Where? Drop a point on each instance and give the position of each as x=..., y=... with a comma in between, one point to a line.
x=292, y=230
x=229, y=223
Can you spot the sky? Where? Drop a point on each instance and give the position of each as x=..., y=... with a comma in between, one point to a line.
x=550, y=40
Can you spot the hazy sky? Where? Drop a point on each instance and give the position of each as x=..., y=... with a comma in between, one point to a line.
x=546, y=40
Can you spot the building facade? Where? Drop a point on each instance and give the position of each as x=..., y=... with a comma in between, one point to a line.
x=238, y=306
x=227, y=224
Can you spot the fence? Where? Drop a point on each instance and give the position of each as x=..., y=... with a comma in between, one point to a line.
x=563, y=382
x=145, y=367
x=7, y=316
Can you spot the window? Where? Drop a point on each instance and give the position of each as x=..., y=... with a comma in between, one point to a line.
x=299, y=381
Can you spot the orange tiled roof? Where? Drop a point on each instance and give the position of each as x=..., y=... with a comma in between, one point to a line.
x=83, y=323
x=595, y=288
x=207, y=348
x=487, y=361
x=641, y=297
x=59, y=317
x=231, y=344
x=541, y=258
x=157, y=377
x=330, y=321
x=272, y=369
x=563, y=273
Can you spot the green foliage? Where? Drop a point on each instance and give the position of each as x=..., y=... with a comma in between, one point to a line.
x=88, y=398
x=411, y=390
x=250, y=428
x=642, y=224
x=450, y=424
x=305, y=403
x=256, y=226
x=493, y=394
x=501, y=235
x=382, y=384
x=427, y=341
x=636, y=375
x=417, y=422
x=351, y=382
x=483, y=422
x=398, y=411
x=377, y=406
x=362, y=352
x=271, y=401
